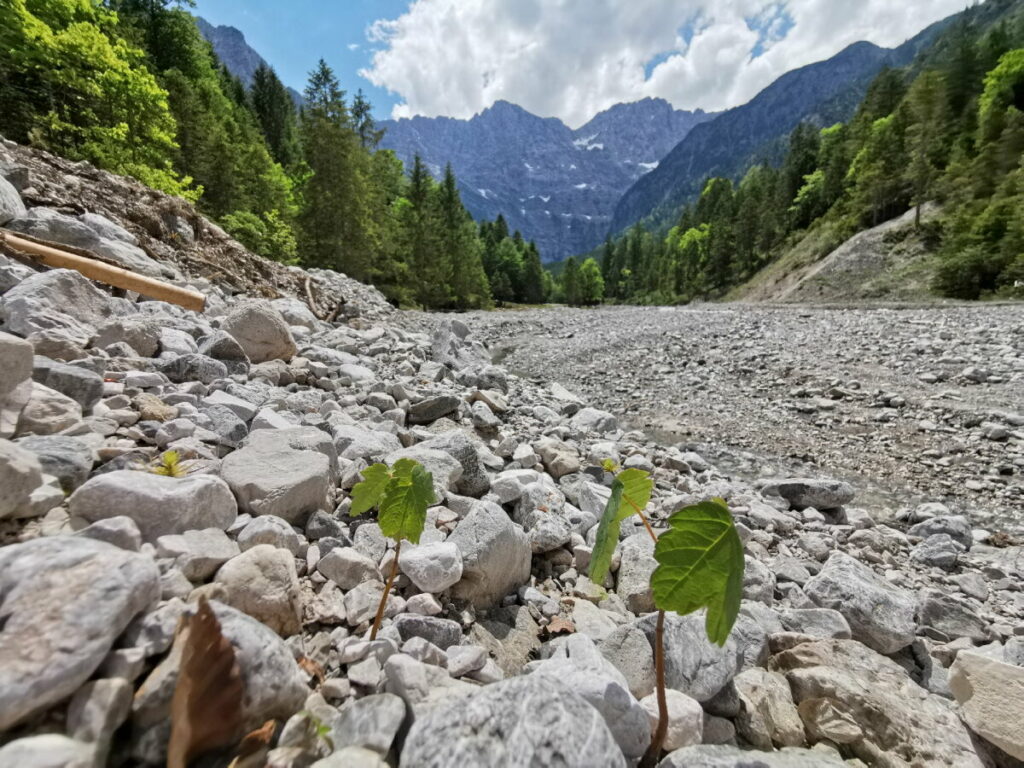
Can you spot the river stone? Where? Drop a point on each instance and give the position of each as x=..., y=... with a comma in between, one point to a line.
x=262, y=582
x=991, y=698
x=159, y=505
x=260, y=331
x=371, y=722
x=47, y=750
x=849, y=694
x=693, y=664
x=273, y=683
x=627, y=648
x=957, y=527
x=270, y=480
x=41, y=302
x=15, y=380
x=880, y=615
x=496, y=555
x=725, y=756
x=685, y=719
x=66, y=458
x=430, y=409
x=633, y=579
x=11, y=206
x=432, y=566
x=80, y=384
x=517, y=723
x=20, y=474
x=768, y=718
x=804, y=492
x=65, y=599
x=48, y=411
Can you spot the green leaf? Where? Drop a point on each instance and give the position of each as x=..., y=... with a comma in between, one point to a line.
x=636, y=492
x=607, y=536
x=631, y=491
x=403, y=511
x=368, y=494
x=700, y=565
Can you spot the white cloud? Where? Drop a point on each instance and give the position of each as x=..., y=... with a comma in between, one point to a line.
x=353, y=46
x=572, y=58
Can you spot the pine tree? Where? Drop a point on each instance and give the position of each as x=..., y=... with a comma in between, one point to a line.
x=276, y=114
x=571, y=282
x=362, y=118
x=460, y=245
x=533, y=276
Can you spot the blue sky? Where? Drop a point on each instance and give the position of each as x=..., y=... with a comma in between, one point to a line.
x=294, y=35
x=568, y=59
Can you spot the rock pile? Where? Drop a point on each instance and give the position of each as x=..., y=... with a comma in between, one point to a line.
x=857, y=641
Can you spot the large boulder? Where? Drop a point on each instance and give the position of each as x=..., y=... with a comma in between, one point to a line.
x=991, y=697
x=261, y=331
x=15, y=380
x=276, y=480
x=880, y=615
x=496, y=555
x=11, y=206
x=850, y=695
x=516, y=723
x=159, y=505
x=64, y=601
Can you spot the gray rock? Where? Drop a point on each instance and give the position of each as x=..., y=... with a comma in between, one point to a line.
x=768, y=718
x=457, y=444
x=223, y=346
x=159, y=505
x=277, y=481
x=20, y=475
x=956, y=527
x=433, y=566
x=273, y=682
x=423, y=687
x=593, y=420
x=141, y=334
x=15, y=380
x=65, y=600
x=558, y=457
x=371, y=722
x=693, y=664
x=107, y=229
x=991, y=698
x=633, y=580
x=42, y=302
x=262, y=582
x=453, y=346
x=952, y=616
x=355, y=442
x=121, y=531
x=816, y=622
x=807, y=492
x=629, y=650
x=48, y=411
x=80, y=384
x=726, y=756
x=351, y=757
x=194, y=367
x=49, y=750
x=261, y=331
x=578, y=666
x=68, y=459
x=11, y=206
x=348, y=567
x=443, y=633
x=848, y=694
x=880, y=615
x=298, y=439
x=496, y=556
x=98, y=709
x=267, y=529
x=939, y=550
x=197, y=554
x=430, y=409
x=226, y=424
x=515, y=723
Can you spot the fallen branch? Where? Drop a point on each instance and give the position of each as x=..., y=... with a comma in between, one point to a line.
x=94, y=269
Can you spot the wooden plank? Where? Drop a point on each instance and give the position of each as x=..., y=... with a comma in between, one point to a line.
x=106, y=273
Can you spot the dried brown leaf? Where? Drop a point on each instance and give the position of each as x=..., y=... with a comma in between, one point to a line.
x=252, y=752
x=206, y=711
x=560, y=626
x=312, y=668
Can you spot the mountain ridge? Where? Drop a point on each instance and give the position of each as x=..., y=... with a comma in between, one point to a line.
x=235, y=53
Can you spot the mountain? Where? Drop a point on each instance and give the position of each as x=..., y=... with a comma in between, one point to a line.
x=822, y=93
x=234, y=52
x=556, y=185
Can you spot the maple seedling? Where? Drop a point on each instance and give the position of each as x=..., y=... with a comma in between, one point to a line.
x=700, y=565
x=401, y=494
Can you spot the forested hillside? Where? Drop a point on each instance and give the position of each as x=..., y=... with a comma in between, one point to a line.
x=133, y=87
x=948, y=128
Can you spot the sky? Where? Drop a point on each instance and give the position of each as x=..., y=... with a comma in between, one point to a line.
x=561, y=58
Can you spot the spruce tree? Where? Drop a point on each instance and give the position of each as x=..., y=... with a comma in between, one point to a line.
x=276, y=114
x=461, y=247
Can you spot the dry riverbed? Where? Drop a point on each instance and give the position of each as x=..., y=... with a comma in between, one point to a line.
x=910, y=405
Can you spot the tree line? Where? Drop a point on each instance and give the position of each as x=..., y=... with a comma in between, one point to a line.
x=949, y=129
x=132, y=86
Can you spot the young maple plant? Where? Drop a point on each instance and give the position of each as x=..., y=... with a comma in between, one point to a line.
x=700, y=565
x=402, y=493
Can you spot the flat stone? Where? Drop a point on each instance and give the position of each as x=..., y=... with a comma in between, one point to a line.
x=68, y=459
x=80, y=384
x=159, y=505
x=277, y=481
x=808, y=492
x=197, y=554
x=371, y=722
x=991, y=698
x=48, y=411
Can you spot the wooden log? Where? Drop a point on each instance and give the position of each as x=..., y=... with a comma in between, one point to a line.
x=106, y=273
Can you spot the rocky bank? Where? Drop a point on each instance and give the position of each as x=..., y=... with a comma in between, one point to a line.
x=861, y=641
